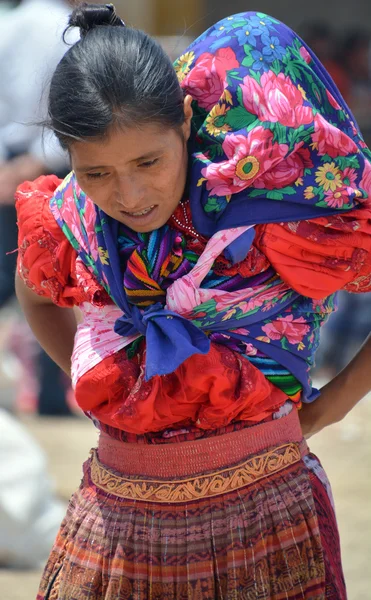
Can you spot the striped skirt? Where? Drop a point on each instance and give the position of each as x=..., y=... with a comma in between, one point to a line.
x=241, y=516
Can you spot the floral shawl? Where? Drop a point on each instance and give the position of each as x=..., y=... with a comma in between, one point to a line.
x=274, y=138
x=273, y=142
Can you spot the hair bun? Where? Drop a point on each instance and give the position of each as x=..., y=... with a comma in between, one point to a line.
x=87, y=16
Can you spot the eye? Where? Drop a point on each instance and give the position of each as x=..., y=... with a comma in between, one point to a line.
x=96, y=175
x=149, y=163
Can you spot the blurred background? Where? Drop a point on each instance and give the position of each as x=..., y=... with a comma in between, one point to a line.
x=43, y=437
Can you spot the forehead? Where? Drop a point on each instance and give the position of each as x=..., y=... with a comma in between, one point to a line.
x=123, y=145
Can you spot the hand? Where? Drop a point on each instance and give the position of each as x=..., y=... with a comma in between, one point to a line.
x=311, y=419
x=340, y=395
x=326, y=410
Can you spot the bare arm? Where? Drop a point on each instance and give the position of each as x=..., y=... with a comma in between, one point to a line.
x=54, y=327
x=340, y=395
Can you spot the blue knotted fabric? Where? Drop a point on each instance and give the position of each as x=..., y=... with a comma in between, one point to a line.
x=170, y=338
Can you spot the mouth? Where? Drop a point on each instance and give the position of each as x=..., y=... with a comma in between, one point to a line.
x=139, y=213
x=141, y=216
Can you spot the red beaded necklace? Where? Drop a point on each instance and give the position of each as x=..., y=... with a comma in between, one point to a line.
x=182, y=219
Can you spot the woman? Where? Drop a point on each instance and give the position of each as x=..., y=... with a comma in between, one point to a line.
x=203, y=233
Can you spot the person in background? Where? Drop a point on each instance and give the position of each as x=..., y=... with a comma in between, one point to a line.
x=30, y=48
x=30, y=512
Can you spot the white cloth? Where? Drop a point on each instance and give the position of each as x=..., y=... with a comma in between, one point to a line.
x=31, y=46
x=29, y=514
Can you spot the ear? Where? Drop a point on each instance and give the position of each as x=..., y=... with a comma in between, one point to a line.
x=188, y=114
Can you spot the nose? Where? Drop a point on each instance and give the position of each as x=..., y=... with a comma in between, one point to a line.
x=129, y=194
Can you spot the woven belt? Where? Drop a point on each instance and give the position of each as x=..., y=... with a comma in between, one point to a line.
x=198, y=487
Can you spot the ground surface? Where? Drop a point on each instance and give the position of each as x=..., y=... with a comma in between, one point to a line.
x=345, y=451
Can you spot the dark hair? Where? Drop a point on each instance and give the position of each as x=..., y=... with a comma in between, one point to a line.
x=113, y=76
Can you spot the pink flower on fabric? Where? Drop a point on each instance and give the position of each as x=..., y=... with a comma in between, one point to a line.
x=242, y=331
x=366, y=180
x=207, y=79
x=232, y=301
x=339, y=197
x=333, y=101
x=349, y=176
x=70, y=215
x=305, y=55
x=248, y=158
x=354, y=129
x=269, y=298
x=294, y=330
x=328, y=139
x=276, y=99
x=250, y=350
x=251, y=304
x=55, y=211
x=90, y=217
x=286, y=172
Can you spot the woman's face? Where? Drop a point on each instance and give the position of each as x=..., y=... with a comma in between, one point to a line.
x=137, y=175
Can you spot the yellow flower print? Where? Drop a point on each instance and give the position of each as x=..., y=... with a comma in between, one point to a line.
x=229, y=314
x=103, y=255
x=247, y=168
x=183, y=64
x=215, y=122
x=329, y=177
x=226, y=97
x=299, y=181
x=302, y=91
x=308, y=193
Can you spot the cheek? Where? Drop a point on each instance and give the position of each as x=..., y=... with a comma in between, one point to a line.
x=179, y=173
x=171, y=187
x=100, y=194
x=166, y=179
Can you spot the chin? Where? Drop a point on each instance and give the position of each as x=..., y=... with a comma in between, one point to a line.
x=147, y=228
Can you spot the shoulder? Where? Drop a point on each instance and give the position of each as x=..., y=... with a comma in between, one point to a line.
x=33, y=210
x=45, y=257
x=47, y=262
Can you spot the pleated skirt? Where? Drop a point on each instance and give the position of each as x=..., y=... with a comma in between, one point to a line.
x=240, y=516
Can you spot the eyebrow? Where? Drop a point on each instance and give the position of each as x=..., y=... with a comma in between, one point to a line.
x=92, y=168
x=140, y=158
